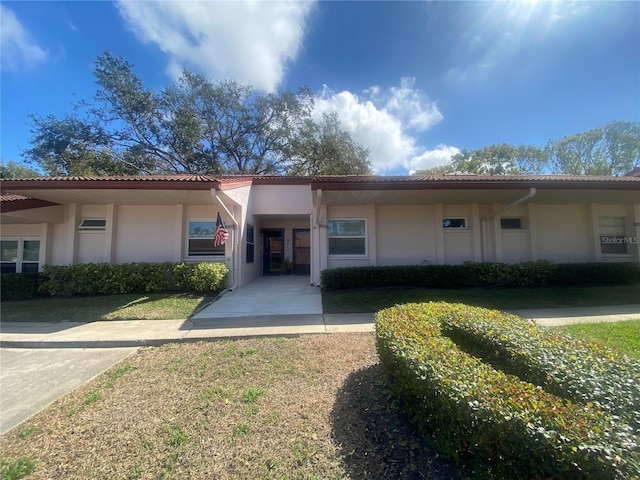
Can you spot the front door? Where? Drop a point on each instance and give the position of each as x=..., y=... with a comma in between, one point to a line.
x=301, y=251
x=272, y=251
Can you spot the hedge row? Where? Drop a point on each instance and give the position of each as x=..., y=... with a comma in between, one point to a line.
x=108, y=279
x=574, y=369
x=498, y=424
x=18, y=286
x=486, y=274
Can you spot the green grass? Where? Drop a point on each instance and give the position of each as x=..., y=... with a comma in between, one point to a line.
x=374, y=299
x=623, y=336
x=16, y=469
x=155, y=306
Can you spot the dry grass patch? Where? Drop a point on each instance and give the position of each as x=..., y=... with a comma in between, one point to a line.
x=312, y=407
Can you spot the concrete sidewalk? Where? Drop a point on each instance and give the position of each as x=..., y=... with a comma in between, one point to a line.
x=136, y=333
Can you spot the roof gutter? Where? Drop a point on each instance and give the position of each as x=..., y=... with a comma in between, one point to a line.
x=531, y=194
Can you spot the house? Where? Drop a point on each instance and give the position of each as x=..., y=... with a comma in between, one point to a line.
x=319, y=222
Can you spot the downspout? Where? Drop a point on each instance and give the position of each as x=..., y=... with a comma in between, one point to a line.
x=531, y=194
x=235, y=261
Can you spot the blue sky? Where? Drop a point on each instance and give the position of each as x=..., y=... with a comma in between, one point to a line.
x=414, y=81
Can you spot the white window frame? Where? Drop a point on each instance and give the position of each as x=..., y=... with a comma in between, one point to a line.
x=455, y=229
x=348, y=255
x=83, y=228
x=20, y=253
x=211, y=256
x=626, y=239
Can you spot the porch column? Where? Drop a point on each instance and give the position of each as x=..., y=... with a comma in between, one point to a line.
x=71, y=244
x=636, y=220
x=110, y=233
x=440, y=247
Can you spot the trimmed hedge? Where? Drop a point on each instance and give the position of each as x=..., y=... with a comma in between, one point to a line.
x=108, y=279
x=498, y=424
x=486, y=274
x=18, y=286
x=571, y=368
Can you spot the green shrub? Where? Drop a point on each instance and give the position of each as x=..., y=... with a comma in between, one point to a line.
x=18, y=286
x=108, y=279
x=481, y=274
x=495, y=422
x=574, y=369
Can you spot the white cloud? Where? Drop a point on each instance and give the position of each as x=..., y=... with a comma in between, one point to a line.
x=440, y=155
x=18, y=46
x=247, y=41
x=383, y=120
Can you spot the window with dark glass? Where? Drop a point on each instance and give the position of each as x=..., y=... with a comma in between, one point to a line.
x=251, y=246
x=19, y=256
x=511, y=223
x=454, y=223
x=347, y=237
x=201, y=236
x=613, y=239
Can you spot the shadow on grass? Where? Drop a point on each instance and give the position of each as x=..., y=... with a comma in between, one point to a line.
x=376, y=438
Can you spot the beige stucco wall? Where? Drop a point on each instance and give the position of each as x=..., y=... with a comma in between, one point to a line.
x=564, y=233
x=145, y=234
x=406, y=234
x=281, y=200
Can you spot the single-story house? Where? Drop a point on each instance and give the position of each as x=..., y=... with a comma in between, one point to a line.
x=318, y=222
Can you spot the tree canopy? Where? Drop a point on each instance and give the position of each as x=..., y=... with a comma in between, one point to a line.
x=610, y=150
x=194, y=125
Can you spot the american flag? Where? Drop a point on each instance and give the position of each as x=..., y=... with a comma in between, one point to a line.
x=221, y=233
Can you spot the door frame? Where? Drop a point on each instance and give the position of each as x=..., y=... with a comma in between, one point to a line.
x=266, y=254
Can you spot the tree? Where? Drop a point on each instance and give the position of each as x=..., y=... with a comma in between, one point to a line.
x=325, y=149
x=437, y=170
x=13, y=169
x=500, y=160
x=610, y=150
x=192, y=126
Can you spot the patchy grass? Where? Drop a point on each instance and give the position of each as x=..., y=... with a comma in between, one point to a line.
x=311, y=407
x=623, y=336
x=153, y=306
x=374, y=299
x=16, y=469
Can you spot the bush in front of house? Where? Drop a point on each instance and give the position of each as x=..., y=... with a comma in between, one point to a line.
x=482, y=274
x=574, y=369
x=18, y=286
x=494, y=422
x=143, y=277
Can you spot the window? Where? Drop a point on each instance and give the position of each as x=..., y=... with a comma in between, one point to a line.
x=201, y=235
x=250, y=243
x=612, y=236
x=454, y=223
x=19, y=255
x=347, y=237
x=93, y=225
x=511, y=223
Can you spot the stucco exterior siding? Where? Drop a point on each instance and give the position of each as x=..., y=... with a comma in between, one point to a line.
x=145, y=234
x=406, y=235
x=564, y=233
x=281, y=200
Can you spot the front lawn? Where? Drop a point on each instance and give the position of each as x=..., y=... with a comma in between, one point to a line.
x=374, y=299
x=624, y=336
x=152, y=306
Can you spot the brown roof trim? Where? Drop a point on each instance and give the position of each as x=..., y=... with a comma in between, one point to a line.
x=498, y=182
x=14, y=205
x=154, y=182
